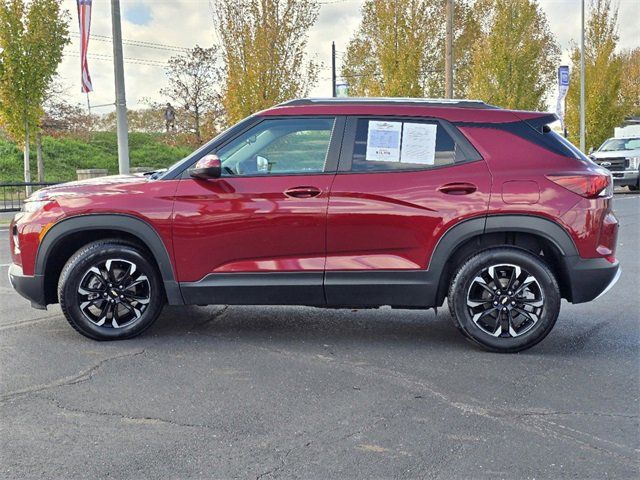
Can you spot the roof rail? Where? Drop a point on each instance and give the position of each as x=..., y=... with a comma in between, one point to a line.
x=433, y=102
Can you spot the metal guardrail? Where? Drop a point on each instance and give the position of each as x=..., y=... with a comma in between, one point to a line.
x=12, y=195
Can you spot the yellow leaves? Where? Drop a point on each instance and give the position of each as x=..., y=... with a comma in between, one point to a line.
x=398, y=49
x=387, y=57
x=605, y=104
x=514, y=62
x=32, y=38
x=263, y=47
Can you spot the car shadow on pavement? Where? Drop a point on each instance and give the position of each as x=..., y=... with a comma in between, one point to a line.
x=306, y=324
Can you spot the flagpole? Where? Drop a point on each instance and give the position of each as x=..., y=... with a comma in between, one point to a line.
x=121, y=102
x=582, y=120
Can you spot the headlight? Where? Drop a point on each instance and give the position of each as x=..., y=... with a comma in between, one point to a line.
x=31, y=206
x=634, y=162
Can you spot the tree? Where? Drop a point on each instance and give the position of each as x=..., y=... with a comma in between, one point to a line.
x=193, y=78
x=263, y=52
x=388, y=55
x=32, y=37
x=630, y=88
x=62, y=118
x=398, y=49
x=467, y=31
x=604, y=108
x=515, y=60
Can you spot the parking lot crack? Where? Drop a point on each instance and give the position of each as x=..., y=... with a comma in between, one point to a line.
x=568, y=413
x=283, y=462
x=82, y=376
x=214, y=317
x=26, y=323
x=143, y=420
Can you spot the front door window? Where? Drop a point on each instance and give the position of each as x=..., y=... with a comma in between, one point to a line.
x=279, y=147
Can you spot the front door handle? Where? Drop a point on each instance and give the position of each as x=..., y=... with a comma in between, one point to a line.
x=458, y=188
x=302, y=192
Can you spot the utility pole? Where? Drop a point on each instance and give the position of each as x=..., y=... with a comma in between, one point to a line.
x=448, y=52
x=333, y=69
x=582, y=123
x=121, y=101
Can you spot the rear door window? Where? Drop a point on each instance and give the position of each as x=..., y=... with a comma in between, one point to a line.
x=396, y=144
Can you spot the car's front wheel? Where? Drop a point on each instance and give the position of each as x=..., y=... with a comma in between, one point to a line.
x=110, y=290
x=504, y=299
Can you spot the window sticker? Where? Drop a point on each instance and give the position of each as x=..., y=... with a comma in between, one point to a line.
x=419, y=143
x=383, y=141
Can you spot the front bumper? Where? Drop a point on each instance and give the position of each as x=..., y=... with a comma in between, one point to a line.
x=30, y=287
x=590, y=278
x=626, y=177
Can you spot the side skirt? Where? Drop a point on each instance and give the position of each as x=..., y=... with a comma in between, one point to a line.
x=397, y=288
x=276, y=288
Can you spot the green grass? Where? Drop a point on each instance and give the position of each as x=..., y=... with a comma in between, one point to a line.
x=63, y=156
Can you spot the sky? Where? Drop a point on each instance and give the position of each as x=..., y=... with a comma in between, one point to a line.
x=180, y=24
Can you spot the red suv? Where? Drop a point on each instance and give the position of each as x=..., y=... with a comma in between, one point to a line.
x=336, y=203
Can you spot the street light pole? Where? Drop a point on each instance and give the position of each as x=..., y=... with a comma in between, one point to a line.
x=333, y=69
x=448, y=52
x=121, y=101
x=582, y=122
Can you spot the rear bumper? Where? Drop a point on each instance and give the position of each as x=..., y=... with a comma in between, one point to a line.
x=590, y=278
x=30, y=287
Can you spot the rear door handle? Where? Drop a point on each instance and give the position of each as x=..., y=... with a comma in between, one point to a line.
x=302, y=192
x=458, y=188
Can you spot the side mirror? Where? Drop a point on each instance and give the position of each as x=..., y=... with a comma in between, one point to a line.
x=591, y=150
x=207, y=167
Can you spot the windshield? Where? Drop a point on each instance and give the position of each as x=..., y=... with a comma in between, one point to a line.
x=618, y=144
x=207, y=147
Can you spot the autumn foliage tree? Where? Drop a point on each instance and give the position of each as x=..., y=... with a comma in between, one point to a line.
x=515, y=58
x=630, y=88
x=604, y=104
x=467, y=33
x=32, y=37
x=398, y=49
x=263, y=46
x=389, y=54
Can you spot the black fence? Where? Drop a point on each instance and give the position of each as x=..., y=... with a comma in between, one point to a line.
x=12, y=195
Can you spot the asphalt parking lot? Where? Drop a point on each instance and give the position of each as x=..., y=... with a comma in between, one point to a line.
x=248, y=392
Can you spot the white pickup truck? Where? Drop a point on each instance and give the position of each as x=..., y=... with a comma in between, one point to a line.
x=621, y=156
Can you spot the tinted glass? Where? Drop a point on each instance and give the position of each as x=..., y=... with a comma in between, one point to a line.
x=279, y=147
x=405, y=145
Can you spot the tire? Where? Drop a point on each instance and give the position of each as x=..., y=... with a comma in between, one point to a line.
x=519, y=307
x=110, y=290
x=634, y=188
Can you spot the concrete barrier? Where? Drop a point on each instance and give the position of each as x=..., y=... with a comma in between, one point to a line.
x=86, y=173
x=141, y=169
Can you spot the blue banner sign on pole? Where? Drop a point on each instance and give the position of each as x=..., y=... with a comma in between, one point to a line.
x=563, y=86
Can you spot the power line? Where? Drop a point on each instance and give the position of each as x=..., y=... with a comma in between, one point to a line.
x=109, y=58
x=139, y=43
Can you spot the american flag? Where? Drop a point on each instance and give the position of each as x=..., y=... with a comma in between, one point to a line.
x=84, y=21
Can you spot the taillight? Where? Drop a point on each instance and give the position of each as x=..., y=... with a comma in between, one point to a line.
x=588, y=185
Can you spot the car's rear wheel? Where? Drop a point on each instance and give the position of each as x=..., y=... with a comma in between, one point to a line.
x=504, y=299
x=110, y=291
